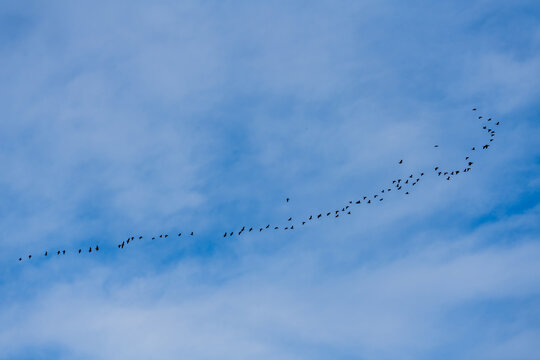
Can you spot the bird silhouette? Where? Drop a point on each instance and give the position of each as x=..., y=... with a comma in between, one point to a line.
x=401, y=161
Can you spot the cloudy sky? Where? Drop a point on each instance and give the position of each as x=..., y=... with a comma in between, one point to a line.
x=126, y=118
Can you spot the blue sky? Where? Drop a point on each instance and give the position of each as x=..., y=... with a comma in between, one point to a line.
x=128, y=118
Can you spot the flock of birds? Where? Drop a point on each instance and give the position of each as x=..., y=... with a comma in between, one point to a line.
x=403, y=185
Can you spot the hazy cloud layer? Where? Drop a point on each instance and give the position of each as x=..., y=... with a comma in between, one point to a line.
x=128, y=118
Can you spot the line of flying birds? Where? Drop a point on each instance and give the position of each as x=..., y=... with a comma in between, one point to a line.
x=398, y=184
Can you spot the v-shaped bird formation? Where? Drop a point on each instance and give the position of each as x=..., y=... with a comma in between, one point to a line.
x=403, y=185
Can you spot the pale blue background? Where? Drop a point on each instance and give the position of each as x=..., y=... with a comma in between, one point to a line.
x=128, y=117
